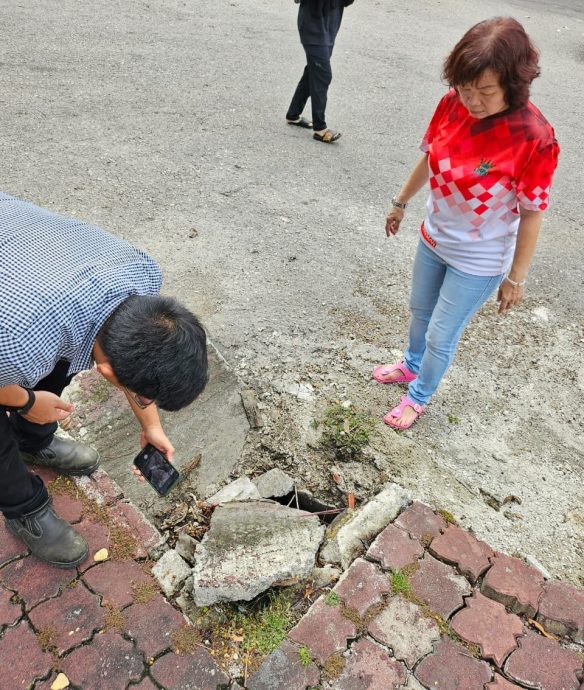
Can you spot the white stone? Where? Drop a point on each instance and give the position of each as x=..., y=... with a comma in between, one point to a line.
x=242, y=489
x=252, y=546
x=364, y=524
x=60, y=683
x=171, y=571
x=274, y=483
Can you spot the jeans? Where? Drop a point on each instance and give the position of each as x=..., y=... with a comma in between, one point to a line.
x=314, y=83
x=21, y=491
x=443, y=300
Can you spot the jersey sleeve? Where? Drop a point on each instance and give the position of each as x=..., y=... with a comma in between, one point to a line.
x=535, y=181
x=441, y=109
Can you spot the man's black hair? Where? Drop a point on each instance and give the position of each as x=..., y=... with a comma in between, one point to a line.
x=157, y=349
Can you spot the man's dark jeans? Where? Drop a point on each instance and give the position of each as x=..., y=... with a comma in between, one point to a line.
x=314, y=84
x=21, y=491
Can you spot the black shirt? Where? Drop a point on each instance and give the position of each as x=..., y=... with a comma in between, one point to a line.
x=319, y=22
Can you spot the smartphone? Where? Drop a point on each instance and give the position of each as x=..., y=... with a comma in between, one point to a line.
x=159, y=472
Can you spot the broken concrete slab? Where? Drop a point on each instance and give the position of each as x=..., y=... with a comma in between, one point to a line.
x=346, y=538
x=171, y=571
x=215, y=426
x=274, y=483
x=242, y=489
x=252, y=546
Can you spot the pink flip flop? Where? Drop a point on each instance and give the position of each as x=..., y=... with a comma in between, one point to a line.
x=381, y=373
x=397, y=412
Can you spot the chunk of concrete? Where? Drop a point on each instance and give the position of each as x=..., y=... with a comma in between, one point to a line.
x=242, y=489
x=274, y=483
x=346, y=542
x=252, y=546
x=186, y=547
x=171, y=571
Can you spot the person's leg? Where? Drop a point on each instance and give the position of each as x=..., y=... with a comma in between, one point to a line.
x=28, y=510
x=320, y=77
x=38, y=443
x=461, y=296
x=427, y=279
x=299, y=98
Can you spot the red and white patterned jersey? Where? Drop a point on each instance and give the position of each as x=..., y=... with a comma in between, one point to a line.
x=481, y=170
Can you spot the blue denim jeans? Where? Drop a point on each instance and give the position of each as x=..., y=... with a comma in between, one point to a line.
x=442, y=302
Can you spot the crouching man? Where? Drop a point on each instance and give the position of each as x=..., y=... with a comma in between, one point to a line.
x=72, y=295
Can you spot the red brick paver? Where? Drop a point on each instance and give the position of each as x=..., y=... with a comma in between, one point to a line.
x=362, y=586
x=324, y=630
x=34, y=581
x=404, y=628
x=283, y=669
x=9, y=611
x=369, y=666
x=23, y=660
x=500, y=683
x=440, y=586
x=561, y=610
x=461, y=548
x=395, y=549
x=71, y=618
x=487, y=624
x=10, y=546
x=197, y=671
x=421, y=521
x=152, y=625
x=108, y=663
x=451, y=667
x=67, y=507
x=97, y=537
x=543, y=664
x=514, y=584
x=115, y=581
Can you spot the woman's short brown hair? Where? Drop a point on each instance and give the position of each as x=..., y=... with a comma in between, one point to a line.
x=502, y=45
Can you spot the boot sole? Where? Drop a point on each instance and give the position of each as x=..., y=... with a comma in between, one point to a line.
x=56, y=564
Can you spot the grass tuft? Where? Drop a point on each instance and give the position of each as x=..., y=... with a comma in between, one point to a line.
x=346, y=430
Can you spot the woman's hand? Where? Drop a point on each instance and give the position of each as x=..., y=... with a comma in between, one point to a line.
x=509, y=295
x=393, y=220
x=48, y=408
x=156, y=436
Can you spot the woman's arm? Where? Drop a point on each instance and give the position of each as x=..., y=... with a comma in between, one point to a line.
x=416, y=180
x=511, y=290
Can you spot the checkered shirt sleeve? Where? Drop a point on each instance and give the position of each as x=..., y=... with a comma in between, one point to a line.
x=535, y=180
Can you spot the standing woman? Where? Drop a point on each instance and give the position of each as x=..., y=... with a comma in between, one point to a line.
x=318, y=24
x=490, y=156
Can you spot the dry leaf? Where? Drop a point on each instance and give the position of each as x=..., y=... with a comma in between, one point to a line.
x=542, y=630
x=60, y=683
x=351, y=501
x=101, y=555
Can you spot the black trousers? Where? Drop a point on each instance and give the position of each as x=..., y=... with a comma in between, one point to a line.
x=21, y=491
x=314, y=84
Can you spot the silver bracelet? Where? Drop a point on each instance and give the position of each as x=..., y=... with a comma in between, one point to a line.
x=398, y=204
x=515, y=283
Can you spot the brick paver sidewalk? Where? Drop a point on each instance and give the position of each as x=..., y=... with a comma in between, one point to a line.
x=429, y=606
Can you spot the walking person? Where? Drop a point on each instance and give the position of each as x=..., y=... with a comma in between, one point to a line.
x=489, y=155
x=319, y=22
x=72, y=296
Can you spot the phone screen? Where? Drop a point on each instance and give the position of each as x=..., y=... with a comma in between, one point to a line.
x=157, y=470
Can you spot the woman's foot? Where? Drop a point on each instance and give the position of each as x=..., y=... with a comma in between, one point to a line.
x=327, y=136
x=404, y=415
x=393, y=373
x=300, y=122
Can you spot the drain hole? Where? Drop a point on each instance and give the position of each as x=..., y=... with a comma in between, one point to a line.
x=306, y=501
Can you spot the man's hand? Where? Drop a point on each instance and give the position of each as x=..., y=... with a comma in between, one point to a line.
x=48, y=408
x=156, y=436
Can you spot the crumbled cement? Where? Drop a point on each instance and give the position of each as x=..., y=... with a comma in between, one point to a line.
x=171, y=571
x=274, y=483
x=252, y=546
x=242, y=489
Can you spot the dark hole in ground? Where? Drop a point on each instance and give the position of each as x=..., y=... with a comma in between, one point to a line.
x=306, y=501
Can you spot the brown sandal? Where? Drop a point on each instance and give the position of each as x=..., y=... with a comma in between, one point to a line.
x=328, y=137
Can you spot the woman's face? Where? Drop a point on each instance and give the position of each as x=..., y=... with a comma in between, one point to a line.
x=484, y=96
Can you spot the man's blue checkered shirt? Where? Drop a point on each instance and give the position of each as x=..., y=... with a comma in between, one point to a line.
x=60, y=279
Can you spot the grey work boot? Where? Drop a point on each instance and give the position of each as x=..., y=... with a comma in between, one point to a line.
x=65, y=456
x=50, y=538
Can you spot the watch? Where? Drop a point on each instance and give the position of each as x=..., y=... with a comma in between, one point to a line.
x=31, y=401
x=398, y=204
